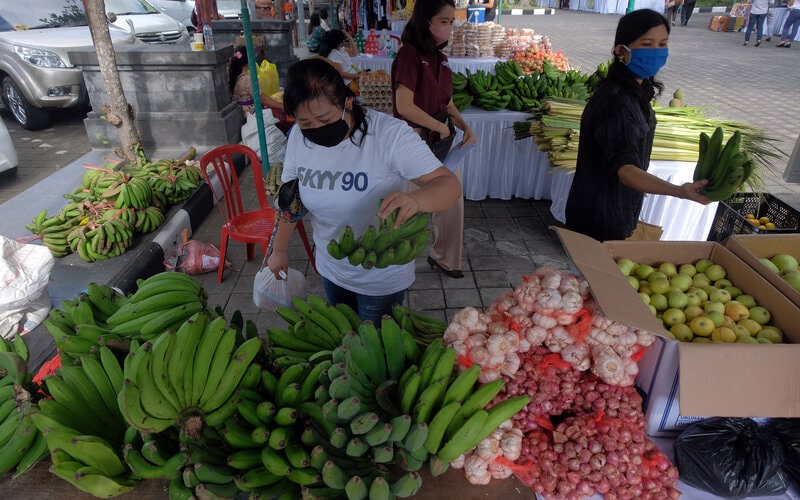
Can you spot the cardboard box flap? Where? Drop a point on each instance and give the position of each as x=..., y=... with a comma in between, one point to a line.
x=736, y=380
x=617, y=299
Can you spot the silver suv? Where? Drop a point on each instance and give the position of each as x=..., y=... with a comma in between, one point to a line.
x=36, y=73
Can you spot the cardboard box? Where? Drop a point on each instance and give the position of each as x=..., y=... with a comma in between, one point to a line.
x=684, y=381
x=749, y=247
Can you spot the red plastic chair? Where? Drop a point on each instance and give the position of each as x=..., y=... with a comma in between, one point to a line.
x=252, y=227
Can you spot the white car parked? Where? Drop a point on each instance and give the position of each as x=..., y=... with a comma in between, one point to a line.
x=181, y=10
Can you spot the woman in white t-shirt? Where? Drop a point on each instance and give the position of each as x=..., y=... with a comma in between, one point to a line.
x=338, y=46
x=344, y=159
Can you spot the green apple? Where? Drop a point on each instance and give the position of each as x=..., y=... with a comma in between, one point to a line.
x=645, y=297
x=771, y=333
x=702, y=264
x=700, y=280
x=644, y=287
x=693, y=299
x=710, y=306
x=642, y=271
x=677, y=300
x=785, y=262
x=768, y=263
x=659, y=301
x=682, y=332
x=760, y=315
x=734, y=291
x=793, y=278
x=748, y=300
x=652, y=309
x=692, y=312
x=715, y=272
x=626, y=266
x=659, y=285
x=668, y=268
x=633, y=281
x=682, y=281
x=672, y=316
x=655, y=275
x=718, y=295
x=700, y=293
x=716, y=317
x=688, y=269
x=723, y=283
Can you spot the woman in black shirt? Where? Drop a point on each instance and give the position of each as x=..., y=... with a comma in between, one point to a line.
x=616, y=136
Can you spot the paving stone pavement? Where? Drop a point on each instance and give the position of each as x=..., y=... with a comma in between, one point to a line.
x=504, y=240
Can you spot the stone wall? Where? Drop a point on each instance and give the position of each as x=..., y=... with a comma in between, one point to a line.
x=181, y=97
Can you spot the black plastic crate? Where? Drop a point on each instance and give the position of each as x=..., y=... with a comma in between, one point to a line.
x=730, y=217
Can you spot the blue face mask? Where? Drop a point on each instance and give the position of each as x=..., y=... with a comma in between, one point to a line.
x=645, y=62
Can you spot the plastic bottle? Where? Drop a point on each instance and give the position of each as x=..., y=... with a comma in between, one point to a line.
x=208, y=36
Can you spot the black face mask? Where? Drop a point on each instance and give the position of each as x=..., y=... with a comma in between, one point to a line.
x=328, y=135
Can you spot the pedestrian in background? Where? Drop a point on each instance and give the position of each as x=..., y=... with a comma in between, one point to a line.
x=672, y=7
x=315, y=32
x=758, y=14
x=687, y=10
x=323, y=19
x=422, y=85
x=789, y=30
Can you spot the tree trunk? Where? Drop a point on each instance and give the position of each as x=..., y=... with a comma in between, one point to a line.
x=117, y=111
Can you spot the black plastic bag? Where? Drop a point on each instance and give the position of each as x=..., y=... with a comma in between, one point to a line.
x=788, y=432
x=731, y=458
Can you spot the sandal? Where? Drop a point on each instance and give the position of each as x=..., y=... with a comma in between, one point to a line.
x=781, y=44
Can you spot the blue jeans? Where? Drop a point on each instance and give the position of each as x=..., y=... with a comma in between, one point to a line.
x=757, y=21
x=790, y=26
x=368, y=307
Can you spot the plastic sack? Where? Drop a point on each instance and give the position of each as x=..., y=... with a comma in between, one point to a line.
x=25, y=274
x=270, y=292
x=276, y=140
x=731, y=458
x=268, y=79
x=196, y=257
x=788, y=432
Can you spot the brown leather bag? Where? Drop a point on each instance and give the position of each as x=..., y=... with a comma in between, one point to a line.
x=440, y=147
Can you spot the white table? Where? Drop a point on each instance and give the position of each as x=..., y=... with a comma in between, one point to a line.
x=500, y=167
x=459, y=64
x=682, y=220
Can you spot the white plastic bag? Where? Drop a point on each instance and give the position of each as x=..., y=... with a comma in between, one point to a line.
x=276, y=140
x=269, y=292
x=25, y=274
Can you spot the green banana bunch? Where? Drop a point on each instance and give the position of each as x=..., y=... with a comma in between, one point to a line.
x=724, y=165
x=459, y=81
x=383, y=245
x=462, y=99
x=197, y=369
x=21, y=444
x=423, y=328
x=163, y=301
x=507, y=71
x=176, y=180
x=315, y=328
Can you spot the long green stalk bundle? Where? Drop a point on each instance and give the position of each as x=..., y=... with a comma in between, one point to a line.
x=555, y=128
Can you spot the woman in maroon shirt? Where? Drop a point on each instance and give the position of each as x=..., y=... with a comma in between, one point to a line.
x=423, y=96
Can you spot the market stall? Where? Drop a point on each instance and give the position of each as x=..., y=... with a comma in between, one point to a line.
x=616, y=6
